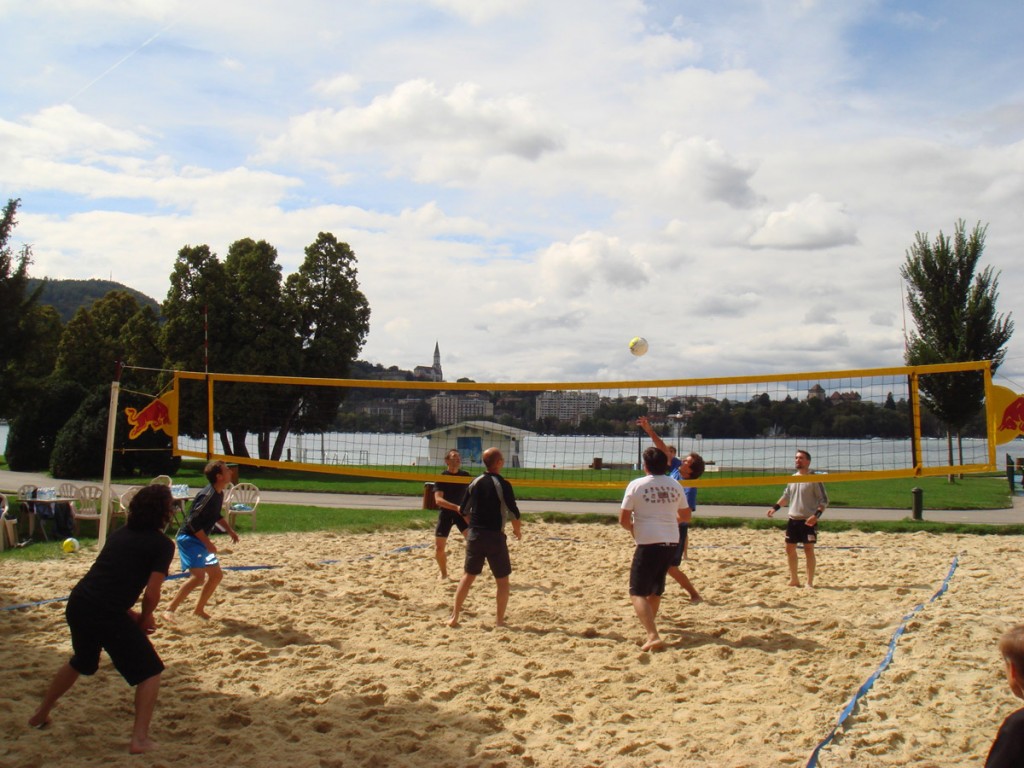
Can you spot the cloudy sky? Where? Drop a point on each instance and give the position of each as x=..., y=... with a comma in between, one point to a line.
x=532, y=183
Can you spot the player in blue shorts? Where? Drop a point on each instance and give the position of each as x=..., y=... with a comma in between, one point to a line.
x=198, y=553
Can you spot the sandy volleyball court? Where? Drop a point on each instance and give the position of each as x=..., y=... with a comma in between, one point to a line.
x=340, y=656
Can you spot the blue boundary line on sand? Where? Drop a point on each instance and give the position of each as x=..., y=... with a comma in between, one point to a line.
x=169, y=578
x=862, y=691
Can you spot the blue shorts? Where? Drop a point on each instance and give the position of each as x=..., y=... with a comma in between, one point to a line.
x=194, y=553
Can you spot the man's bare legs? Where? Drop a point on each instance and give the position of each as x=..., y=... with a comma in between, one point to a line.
x=460, y=597
x=503, y=586
x=214, y=575
x=646, y=610
x=208, y=578
x=685, y=583
x=145, y=702
x=811, y=562
x=441, y=556
x=503, y=590
x=65, y=678
x=794, y=578
x=195, y=578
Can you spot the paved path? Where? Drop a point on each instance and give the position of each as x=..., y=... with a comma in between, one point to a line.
x=1015, y=515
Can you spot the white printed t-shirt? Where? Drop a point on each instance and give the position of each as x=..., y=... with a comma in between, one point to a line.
x=655, y=501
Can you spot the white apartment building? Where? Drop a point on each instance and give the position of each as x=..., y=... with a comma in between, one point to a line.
x=572, y=407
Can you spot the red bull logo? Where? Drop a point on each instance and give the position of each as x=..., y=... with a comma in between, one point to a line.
x=1006, y=414
x=1013, y=416
x=159, y=415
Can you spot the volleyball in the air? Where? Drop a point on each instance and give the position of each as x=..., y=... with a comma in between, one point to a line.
x=70, y=545
x=638, y=346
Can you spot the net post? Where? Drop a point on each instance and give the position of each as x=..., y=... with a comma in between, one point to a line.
x=108, y=454
x=915, y=416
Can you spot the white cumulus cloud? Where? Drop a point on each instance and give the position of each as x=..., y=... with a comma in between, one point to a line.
x=810, y=223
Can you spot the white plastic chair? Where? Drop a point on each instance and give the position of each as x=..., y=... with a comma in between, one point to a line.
x=67, y=491
x=161, y=480
x=242, y=500
x=87, y=505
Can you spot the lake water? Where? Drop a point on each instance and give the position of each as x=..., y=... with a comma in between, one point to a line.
x=580, y=451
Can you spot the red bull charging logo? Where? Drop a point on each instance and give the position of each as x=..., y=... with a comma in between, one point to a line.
x=159, y=415
x=1007, y=410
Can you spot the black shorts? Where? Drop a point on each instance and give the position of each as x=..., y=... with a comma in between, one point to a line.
x=491, y=546
x=799, y=532
x=445, y=520
x=123, y=640
x=677, y=558
x=650, y=565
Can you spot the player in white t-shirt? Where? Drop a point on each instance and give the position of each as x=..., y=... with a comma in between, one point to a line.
x=651, y=509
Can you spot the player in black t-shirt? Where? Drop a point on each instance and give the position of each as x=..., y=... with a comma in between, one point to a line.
x=448, y=497
x=489, y=501
x=100, y=611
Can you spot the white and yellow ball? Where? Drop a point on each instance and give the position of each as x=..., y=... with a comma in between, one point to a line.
x=638, y=346
x=70, y=545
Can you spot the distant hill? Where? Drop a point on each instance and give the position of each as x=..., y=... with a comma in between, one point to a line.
x=66, y=296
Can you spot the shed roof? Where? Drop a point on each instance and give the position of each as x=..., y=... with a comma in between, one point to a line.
x=487, y=427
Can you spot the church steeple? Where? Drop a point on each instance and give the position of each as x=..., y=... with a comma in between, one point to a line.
x=430, y=372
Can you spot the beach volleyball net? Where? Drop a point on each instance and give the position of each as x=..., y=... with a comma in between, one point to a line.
x=857, y=424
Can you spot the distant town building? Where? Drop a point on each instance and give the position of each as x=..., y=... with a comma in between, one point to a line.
x=432, y=372
x=817, y=392
x=449, y=409
x=845, y=397
x=471, y=438
x=571, y=407
x=385, y=410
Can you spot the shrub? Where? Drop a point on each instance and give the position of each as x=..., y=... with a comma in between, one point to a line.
x=34, y=430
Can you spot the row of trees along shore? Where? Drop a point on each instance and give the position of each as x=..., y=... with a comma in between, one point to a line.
x=727, y=418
